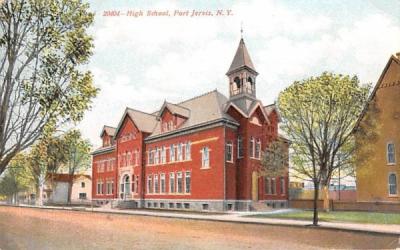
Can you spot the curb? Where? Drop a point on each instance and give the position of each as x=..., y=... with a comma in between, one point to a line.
x=266, y=223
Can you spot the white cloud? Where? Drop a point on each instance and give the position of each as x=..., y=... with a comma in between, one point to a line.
x=139, y=62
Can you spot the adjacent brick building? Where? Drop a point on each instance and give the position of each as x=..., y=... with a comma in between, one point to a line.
x=202, y=154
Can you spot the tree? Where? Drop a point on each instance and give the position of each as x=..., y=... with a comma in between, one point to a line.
x=43, y=45
x=15, y=179
x=319, y=114
x=77, y=156
x=275, y=159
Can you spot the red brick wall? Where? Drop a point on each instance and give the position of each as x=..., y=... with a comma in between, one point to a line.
x=103, y=176
x=205, y=183
x=231, y=168
x=130, y=146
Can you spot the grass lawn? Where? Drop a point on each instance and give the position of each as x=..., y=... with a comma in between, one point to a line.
x=360, y=217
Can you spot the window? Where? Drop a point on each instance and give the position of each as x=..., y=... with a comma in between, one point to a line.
x=156, y=156
x=282, y=185
x=229, y=150
x=99, y=187
x=267, y=185
x=205, y=158
x=156, y=184
x=258, y=149
x=180, y=158
x=392, y=184
x=109, y=187
x=149, y=184
x=240, y=147
x=187, y=152
x=163, y=155
x=172, y=153
x=82, y=196
x=128, y=159
x=162, y=180
x=172, y=182
x=179, y=182
x=251, y=147
x=205, y=206
x=82, y=184
x=187, y=182
x=391, y=157
x=186, y=205
x=273, y=186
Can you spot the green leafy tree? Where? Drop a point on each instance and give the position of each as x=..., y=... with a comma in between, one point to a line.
x=77, y=156
x=43, y=46
x=319, y=114
x=275, y=159
x=15, y=179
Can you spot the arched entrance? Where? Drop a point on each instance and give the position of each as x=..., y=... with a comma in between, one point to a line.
x=125, y=186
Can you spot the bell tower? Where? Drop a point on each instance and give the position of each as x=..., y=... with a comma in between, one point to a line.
x=242, y=74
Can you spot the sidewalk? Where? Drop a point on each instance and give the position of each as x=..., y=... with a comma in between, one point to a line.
x=239, y=217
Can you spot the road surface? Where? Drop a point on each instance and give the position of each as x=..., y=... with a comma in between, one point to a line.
x=30, y=228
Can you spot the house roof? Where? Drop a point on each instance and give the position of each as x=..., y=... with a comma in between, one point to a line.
x=65, y=177
x=242, y=59
x=269, y=108
x=377, y=85
x=145, y=122
x=109, y=130
x=174, y=109
x=204, y=108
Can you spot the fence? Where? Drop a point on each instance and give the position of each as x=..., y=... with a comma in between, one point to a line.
x=336, y=205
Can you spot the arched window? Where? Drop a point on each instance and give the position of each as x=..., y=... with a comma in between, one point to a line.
x=391, y=153
x=237, y=81
x=127, y=185
x=392, y=184
x=240, y=147
x=250, y=80
x=252, y=146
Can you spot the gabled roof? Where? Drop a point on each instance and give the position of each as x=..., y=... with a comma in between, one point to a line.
x=377, y=85
x=143, y=121
x=108, y=129
x=205, y=108
x=248, y=109
x=242, y=59
x=174, y=109
x=269, y=108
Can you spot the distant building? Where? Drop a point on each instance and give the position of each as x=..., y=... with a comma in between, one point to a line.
x=203, y=153
x=56, y=188
x=377, y=178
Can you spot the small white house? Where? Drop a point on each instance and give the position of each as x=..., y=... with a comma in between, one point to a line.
x=56, y=188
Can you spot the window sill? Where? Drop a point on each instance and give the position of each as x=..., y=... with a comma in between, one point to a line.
x=205, y=168
x=391, y=164
x=393, y=196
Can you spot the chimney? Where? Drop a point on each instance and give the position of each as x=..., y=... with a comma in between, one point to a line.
x=398, y=55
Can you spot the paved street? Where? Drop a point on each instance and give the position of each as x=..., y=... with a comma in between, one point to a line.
x=28, y=228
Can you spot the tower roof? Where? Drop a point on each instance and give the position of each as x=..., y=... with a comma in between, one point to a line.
x=242, y=59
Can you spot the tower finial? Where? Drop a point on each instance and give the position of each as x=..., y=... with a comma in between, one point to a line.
x=241, y=29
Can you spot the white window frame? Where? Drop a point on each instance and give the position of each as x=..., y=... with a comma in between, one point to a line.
x=156, y=184
x=188, y=189
x=149, y=184
x=252, y=147
x=163, y=155
x=179, y=188
x=162, y=183
x=172, y=153
x=395, y=184
x=257, y=150
x=205, y=157
x=188, y=153
x=387, y=153
x=172, y=187
x=180, y=151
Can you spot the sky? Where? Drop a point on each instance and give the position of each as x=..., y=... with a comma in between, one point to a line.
x=139, y=62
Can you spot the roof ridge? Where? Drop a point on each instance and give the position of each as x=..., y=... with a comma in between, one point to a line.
x=140, y=111
x=108, y=126
x=195, y=97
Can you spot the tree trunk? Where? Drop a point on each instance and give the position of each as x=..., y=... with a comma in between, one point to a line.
x=316, y=194
x=326, y=197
